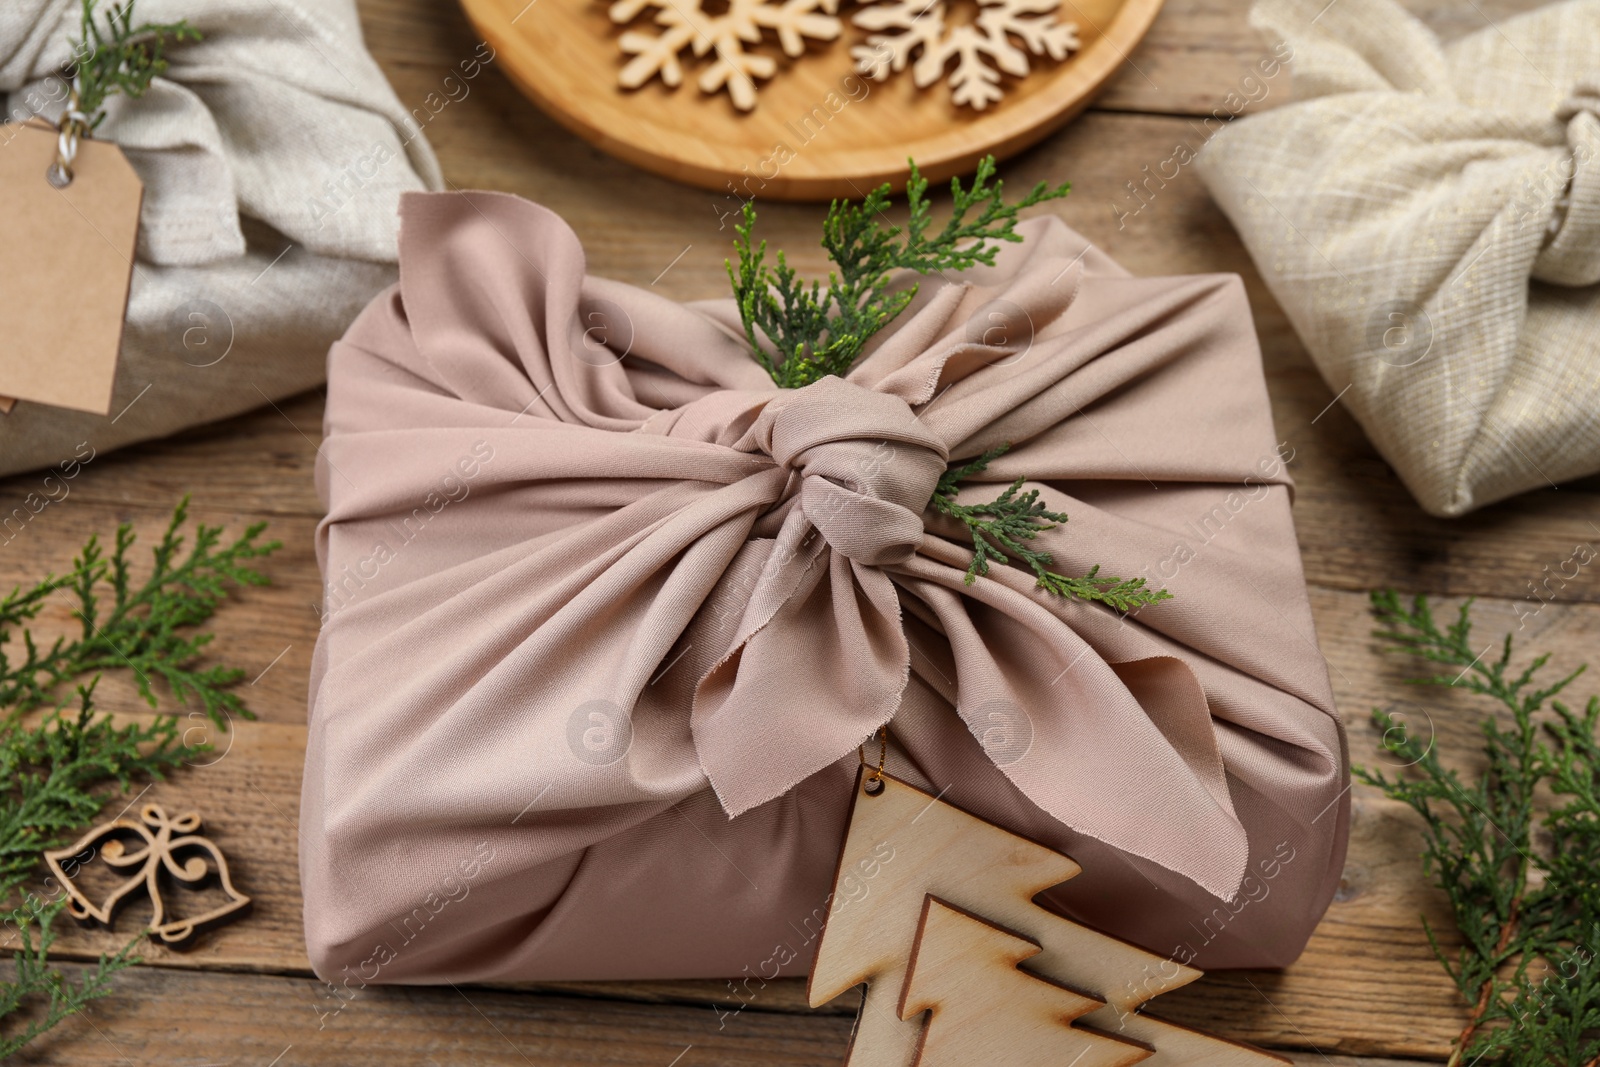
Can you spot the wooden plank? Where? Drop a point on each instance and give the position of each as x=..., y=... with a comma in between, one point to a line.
x=159, y=1016
x=1336, y=997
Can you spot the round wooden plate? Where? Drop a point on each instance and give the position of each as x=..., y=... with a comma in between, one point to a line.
x=819, y=130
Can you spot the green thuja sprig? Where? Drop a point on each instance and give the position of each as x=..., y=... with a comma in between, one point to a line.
x=36, y=980
x=1005, y=525
x=802, y=331
x=121, y=58
x=146, y=629
x=57, y=775
x=1518, y=870
x=54, y=769
x=59, y=768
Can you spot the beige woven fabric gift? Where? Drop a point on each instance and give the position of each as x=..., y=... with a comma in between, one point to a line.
x=273, y=154
x=1429, y=218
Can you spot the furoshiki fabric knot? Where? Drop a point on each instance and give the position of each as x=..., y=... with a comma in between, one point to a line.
x=1572, y=257
x=865, y=465
x=1585, y=97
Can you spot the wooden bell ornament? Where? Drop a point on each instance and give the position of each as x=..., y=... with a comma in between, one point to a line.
x=155, y=851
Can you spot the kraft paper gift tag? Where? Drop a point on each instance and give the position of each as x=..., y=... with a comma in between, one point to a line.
x=66, y=262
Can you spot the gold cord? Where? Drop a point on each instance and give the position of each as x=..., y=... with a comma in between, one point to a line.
x=872, y=784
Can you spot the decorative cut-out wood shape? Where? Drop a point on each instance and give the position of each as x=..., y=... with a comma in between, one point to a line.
x=691, y=25
x=161, y=848
x=998, y=41
x=936, y=972
x=963, y=974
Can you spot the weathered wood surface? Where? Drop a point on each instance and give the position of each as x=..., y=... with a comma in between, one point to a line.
x=1358, y=529
x=168, y=1017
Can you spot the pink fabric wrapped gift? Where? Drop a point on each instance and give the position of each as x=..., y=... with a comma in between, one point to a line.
x=608, y=615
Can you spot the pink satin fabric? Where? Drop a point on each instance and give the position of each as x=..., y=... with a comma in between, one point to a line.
x=608, y=614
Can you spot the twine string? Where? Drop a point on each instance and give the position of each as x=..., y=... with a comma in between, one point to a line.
x=72, y=126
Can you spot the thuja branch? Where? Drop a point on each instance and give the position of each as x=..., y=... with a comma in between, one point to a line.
x=803, y=331
x=58, y=775
x=1004, y=526
x=59, y=768
x=1528, y=912
x=120, y=57
x=146, y=628
x=35, y=979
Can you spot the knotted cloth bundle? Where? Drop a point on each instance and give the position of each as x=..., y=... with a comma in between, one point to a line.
x=1429, y=218
x=273, y=155
x=596, y=585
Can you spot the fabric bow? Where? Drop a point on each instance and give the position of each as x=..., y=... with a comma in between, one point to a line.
x=653, y=569
x=1429, y=218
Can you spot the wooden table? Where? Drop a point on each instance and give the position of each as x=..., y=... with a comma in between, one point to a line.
x=1366, y=988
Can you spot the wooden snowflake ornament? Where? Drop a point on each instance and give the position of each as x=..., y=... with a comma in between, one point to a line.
x=933, y=909
x=982, y=50
x=688, y=24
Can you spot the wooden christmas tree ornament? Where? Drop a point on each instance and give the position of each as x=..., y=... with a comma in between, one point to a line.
x=961, y=967
x=159, y=846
